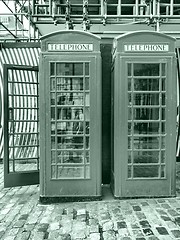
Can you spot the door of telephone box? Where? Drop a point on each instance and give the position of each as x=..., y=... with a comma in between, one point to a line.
x=144, y=115
x=70, y=116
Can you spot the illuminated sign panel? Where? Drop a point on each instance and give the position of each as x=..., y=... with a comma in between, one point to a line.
x=70, y=47
x=146, y=47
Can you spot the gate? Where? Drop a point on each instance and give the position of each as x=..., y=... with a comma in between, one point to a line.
x=21, y=141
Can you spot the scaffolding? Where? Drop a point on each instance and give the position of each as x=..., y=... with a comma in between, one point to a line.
x=28, y=15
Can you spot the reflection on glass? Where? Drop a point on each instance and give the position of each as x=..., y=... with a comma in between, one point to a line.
x=146, y=171
x=52, y=69
x=146, y=142
x=129, y=172
x=52, y=84
x=163, y=69
x=87, y=142
x=129, y=128
x=163, y=99
x=87, y=100
x=129, y=113
x=146, y=156
x=144, y=69
x=87, y=127
x=162, y=171
x=53, y=143
x=70, y=172
x=87, y=156
x=129, y=143
x=86, y=84
x=163, y=157
x=53, y=97
x=129, y=157
x=86, y=68
x=65, y=156
x=53, y=156
x=163, y=84
x=146, y=113
x=53, y=113
x=65, y=69
x=146, y=127
x=129, y=69
x=129, y=84
x=146, y=84
x=87, y=169
x=144, y=99
x=163, y=114
x=53, y=171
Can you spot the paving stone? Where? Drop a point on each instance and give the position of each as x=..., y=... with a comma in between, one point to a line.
x=109, y=235
x=165, y=218
x=121, y=225
x=136, y=208
x=176, y=233
x=162, y=230
x=140, y=215
x=144, y=224
x=172, y=212
x=107, y=226
x=94, y=236
x=148, y=231
x=23, y=236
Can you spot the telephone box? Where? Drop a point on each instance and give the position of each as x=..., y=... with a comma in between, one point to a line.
x=144, y=115
x=70, y=116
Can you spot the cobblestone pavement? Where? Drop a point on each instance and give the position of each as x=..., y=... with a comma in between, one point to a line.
x=22, y=217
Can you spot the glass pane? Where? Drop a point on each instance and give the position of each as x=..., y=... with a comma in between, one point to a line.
x=66, y=69
x=52, y=84
x=129, y=128
x=163, y=84
x=141, y=69
x=129, y=84
x=162, y=171
x=146, y=84
x=163, y=157
x=163, y=101
x=64, y=113
x=146, y=113
x=70, y=99
x=75, y=156
x=53, y=156
x=87, y=171
x=53, y=172
x=147, y=128
x=65, y=142
x=129, y=172
x=53, y=113
x=52, y=69
x=86, y=83
x=87, y=142
x=129, y=69
x=87, y=127
x=145, y=99
x=69, y=84
x=146, y=142
x=129, y=157
x=87, y=156
x=146, y=156
x=70, y=172
x=87, y=100
x=129, y=113
x=129, y=143
x=163, y=69
x=53, y=97
x=86, y=69
x=53, y=142
x=146, y=171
